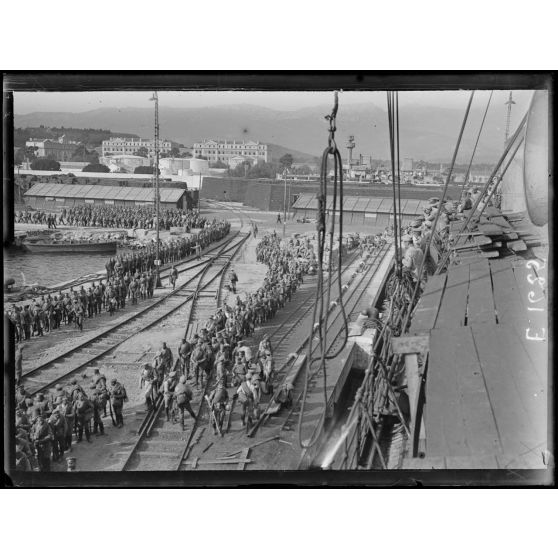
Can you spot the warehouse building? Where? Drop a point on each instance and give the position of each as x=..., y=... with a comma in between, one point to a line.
x=367, y=210
x=53, y=196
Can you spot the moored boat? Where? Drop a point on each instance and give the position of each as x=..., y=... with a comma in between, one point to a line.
x=72, y=247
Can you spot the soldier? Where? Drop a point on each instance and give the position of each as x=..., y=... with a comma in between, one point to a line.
x=68, y=410
x=173, y=276
x=167, y=389
x=246, y=400
x=166, y=358
x=57, y=424
x=184, y=352
x=22, y=420
x=147, y=384
x=198, y=360
x=218, y=400
x=183, y=395
x=99, y=382
x=74, y=389
x=41, y=407
x=98, y=405
x=255, y=386
x=21, y=398
x=84, y=414
x=117, y=398
x=42, y=438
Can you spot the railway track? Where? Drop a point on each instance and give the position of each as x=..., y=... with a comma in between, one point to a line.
x=163, y=446
x=160, y=443
x=334, y=330
x=90, y=352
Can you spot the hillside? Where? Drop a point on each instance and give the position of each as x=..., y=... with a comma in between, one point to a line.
x=427, y=133
x=89, y=136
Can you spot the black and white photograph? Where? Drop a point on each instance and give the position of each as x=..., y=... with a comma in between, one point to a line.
x=320, y=277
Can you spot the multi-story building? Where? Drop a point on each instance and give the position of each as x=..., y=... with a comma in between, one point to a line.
x=224, y=151
x=128, y=146
x=59, y=150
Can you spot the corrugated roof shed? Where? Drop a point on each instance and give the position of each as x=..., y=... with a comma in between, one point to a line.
x=362, y=204
x=42, y=189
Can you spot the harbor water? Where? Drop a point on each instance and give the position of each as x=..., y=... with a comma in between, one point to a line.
x=47, y=270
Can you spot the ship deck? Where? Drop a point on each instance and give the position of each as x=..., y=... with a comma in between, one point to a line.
x=486, y=389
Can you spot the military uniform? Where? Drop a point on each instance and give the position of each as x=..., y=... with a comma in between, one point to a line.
x=183, y=395
x=57, y=424
x=218, y=398
x=84, y=414
x=117, y=398
x=98, y=405
x=168, y=390
x=42, y=438
x=246, y=400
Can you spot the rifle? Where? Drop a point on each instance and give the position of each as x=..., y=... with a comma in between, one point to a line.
x=111, y=415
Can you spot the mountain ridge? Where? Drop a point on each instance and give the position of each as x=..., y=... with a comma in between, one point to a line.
x=426, y=133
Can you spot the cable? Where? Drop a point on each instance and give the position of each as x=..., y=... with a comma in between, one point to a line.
x=456, y=150
x=507, y=149
x=476, y=143
x=392, y=155
x=321, y=309
x=399, y=216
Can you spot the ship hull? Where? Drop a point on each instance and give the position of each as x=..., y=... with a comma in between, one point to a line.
x=97, y=248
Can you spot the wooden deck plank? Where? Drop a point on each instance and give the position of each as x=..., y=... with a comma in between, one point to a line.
x=507, y=300
x=510, y=379
x=426, y=312
x=475, y=409
x=453, y=307
x=458, y=419
x=440, y=397
x=480, y=306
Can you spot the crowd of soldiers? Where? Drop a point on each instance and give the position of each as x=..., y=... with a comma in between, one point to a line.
x=172, y=250
x=114, y=216
x=37, y=218
x=130, y=277
x=217, y=357
x=220, y=354
x=416, y=236
x=47, y=426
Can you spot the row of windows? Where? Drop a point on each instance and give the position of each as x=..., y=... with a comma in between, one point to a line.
x=150, y=145
x=231, y=146
x=213, y=152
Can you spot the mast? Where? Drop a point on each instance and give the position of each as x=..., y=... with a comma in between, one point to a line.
x=509, y=102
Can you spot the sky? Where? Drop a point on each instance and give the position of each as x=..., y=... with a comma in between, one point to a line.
x=27, y=102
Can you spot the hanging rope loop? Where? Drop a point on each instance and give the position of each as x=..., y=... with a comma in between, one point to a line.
x=326, y=239
x=332, y=123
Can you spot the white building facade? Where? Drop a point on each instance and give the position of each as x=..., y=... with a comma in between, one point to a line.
x=128, y=146
x=224, y=151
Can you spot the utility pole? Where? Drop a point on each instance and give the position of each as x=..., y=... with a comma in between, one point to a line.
x=509, y=102
x=157, y=195
x=285, y=201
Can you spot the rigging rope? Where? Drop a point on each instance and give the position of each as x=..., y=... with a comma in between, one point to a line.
x=396, y=232
x=398, y=171
x=321, y=310
x=507, y=149
x=427, y=248
x=476, y=143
